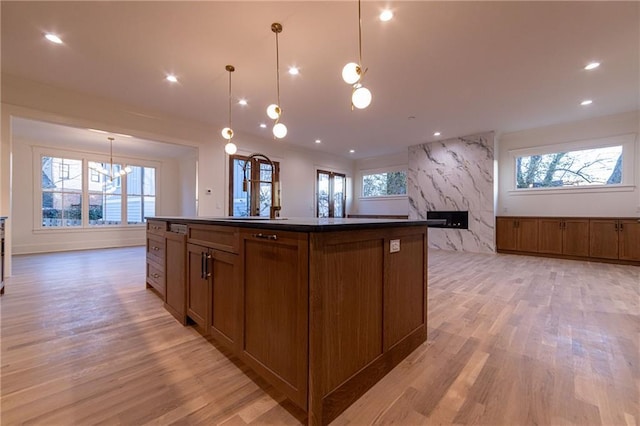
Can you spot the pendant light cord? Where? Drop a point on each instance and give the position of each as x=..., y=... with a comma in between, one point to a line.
x=360, y=33
x=230, y=99
x=277, y=70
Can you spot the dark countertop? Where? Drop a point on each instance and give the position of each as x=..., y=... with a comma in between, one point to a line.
x=300, y=224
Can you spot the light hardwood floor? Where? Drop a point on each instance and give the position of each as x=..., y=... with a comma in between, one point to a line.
x=513, y=340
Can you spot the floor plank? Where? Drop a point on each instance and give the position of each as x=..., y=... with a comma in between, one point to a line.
x=512, y=340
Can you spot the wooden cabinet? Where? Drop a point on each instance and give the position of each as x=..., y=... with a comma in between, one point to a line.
x=199, y=286
x=156, y=256
x=176, y=275
x=275, y=297
x=604, y=238
x=321, y=314
x=213, y=282
x=629, y=239
x=517, y=234
x=615, y=239
x=568, y=236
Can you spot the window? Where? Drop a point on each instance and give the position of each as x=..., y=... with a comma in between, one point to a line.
x=105, y=197
x=597, y=166
x=259, y=181
x=61, y=185
x=331, y=197
x=141, y=194
x=384, y=184
x=105, y=194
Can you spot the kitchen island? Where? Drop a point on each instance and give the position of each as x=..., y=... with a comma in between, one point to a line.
x=321, y=308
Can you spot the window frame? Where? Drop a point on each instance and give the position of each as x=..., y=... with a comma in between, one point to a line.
x=627, y=141
x=392, y=169
x=332, y=176
x=38, y=152
x=254, y=179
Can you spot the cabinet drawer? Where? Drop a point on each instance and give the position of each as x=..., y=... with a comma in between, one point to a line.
x=155, y=277
x=155, y=248
x=225, y=238
x=156, y=227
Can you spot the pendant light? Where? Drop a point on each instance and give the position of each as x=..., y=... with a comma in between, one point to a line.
x=227, y=133
x=274, y=111
x=353, y=74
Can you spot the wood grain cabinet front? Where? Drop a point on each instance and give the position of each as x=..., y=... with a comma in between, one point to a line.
x=563, y=236
x=176, y=275
x=517, y=234
x=156, y=263
x=275, y=315
x=629, y=239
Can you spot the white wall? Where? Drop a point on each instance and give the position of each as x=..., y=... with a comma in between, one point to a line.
x=379, y=205
x=624, y=203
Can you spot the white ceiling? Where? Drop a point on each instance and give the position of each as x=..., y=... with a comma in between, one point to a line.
x=456, y=67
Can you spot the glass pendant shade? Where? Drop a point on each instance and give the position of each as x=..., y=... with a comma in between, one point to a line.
x=227, y=133
x=361, y=97
x=350, y=73
x=279, y=130
x=273, y=111
x=230, y=148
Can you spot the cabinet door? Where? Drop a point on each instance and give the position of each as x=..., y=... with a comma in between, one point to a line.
x=575, y=237
x=629, y=239
x=275, y=343
x=527, y=230
x=199, y=286
x=603, y=238
x=225, y=319
x=506, y=233
x=550, y=235
x=176, y=276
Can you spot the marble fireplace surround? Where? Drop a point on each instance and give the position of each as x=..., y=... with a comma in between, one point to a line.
x=455, y=174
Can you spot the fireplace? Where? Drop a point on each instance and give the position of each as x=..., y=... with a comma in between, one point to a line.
x=454, y=219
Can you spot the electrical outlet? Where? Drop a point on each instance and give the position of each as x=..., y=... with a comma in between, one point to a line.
x=394, y=246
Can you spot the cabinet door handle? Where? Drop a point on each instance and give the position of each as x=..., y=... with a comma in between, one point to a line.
x=616, y=227
x=156, y=248
x=207, y=273
x=202, y=265
x=156, y=276
x=266, y=236
x=621, y=225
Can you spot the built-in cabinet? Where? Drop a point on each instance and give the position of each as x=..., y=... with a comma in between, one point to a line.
x=567, y=236
x=156, y=256
x=600, y=239
x=517, y=233
x=275, y=315
x=213, y=285
x=176, y=274
x=321, y=316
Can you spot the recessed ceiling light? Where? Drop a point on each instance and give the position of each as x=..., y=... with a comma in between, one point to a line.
x=586, y=102
x=262, y=125
x=242, y=101
x=53, y=38
x=294, y=70
x=436, y=134
x=172, y=78
x=352, y=151
x=123, y=135
x=96, y=131
x=386, y=15
x=592, y=65
x=318, y=141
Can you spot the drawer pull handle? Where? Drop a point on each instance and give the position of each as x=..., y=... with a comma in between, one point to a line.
x=156, y=249
x=266, y=236
x=156, y=276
